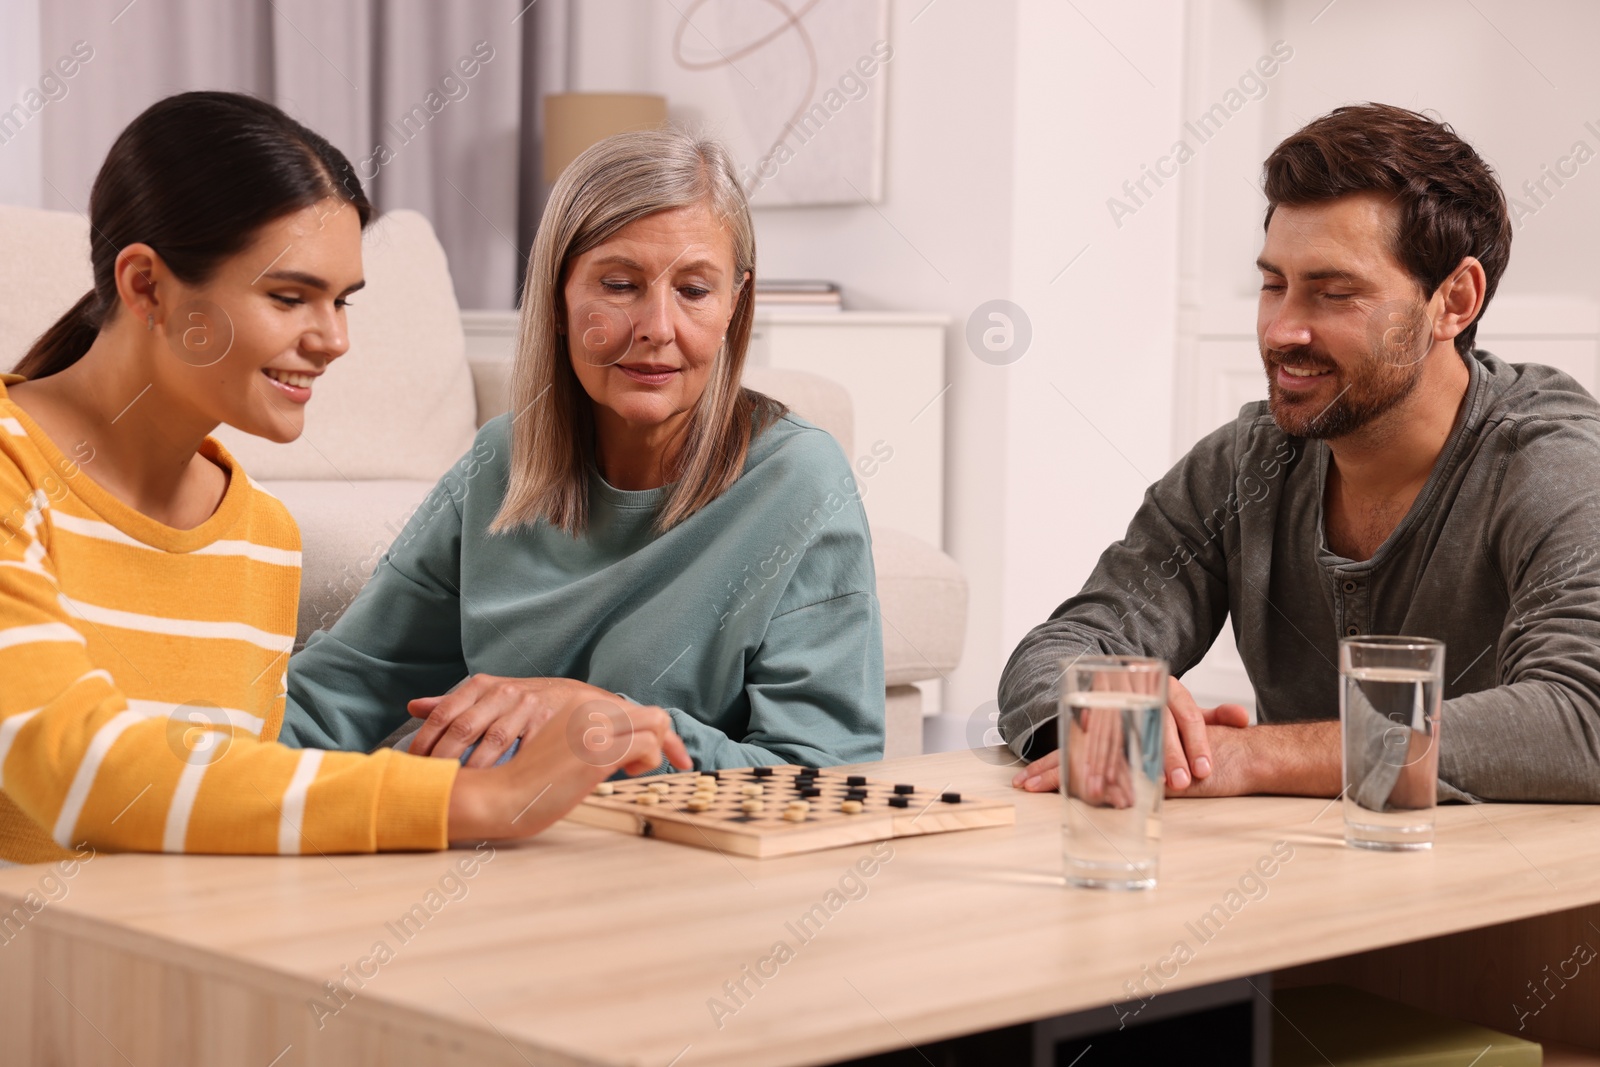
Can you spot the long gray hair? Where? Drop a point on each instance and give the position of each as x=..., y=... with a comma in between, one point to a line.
x=617, y=181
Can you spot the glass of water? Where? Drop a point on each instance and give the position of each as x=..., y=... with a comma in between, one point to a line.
x=1112, y=769
x=1390, y=694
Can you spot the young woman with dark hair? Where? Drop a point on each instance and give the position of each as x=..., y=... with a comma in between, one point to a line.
x=148, y=588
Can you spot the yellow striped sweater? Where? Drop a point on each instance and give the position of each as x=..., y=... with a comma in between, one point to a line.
x=142, y=678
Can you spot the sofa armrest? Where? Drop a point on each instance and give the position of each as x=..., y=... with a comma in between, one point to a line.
x=491, y=383
x=922, y=594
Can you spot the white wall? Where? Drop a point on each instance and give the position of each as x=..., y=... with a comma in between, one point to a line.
x=1088, y=428
x=940, y=241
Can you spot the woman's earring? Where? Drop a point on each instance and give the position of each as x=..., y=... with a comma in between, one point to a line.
x=150, y=322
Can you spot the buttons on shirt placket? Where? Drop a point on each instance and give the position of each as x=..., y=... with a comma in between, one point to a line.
x=1351, y=589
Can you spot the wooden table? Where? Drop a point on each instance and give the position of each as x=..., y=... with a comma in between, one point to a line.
x=590, y=947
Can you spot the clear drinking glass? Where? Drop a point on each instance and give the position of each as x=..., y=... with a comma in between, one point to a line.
x=1112, y=769
x=1390, y=695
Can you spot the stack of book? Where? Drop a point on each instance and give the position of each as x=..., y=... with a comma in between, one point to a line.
x=798, y=296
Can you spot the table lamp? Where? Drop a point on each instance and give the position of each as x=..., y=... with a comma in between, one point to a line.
x=574, y=121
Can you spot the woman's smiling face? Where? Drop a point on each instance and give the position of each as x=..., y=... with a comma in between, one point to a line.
x=646, y=312
x=252, y=340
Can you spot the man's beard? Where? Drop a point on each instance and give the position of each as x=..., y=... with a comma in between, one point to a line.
x=1380, y=383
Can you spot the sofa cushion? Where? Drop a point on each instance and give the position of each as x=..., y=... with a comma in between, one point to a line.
x=923, y=596
x=44, y=269
x=821, y=401
x=902, y=721
x=345, y=528
x=399, y=404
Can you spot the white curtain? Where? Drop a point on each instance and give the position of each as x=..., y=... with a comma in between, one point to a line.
x=433, y=103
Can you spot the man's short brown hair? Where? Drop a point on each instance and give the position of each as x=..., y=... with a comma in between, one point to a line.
x=1451, y=204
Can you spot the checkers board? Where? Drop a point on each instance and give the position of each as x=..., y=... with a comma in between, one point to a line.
x=709, y=809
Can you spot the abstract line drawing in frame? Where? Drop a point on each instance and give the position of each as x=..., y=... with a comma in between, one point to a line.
x=797, y=89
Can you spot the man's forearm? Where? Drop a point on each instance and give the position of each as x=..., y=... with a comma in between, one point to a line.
x=1298, y=759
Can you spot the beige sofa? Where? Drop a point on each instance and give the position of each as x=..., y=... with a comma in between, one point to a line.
x=403, y=405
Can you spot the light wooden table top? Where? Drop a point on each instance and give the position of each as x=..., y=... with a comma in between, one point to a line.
x=607, y=949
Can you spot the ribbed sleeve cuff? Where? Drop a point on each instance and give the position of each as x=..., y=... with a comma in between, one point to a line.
x=414, y=802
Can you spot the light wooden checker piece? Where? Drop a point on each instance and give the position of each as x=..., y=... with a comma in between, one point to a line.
x=726, y=827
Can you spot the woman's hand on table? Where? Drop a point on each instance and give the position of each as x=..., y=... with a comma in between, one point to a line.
x=579, y=745
x=1188, y=733
x=492, y=712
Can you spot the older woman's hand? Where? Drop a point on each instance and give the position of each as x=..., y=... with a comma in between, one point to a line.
x=492, y=712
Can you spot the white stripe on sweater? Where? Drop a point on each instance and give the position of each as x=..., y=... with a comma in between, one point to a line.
x=66, y=827
x=12, y=725
x=263, y=490
x=199, y=716
x=156, y=624
x=8, y=736
x=104, y=531
x=294, y=802
x=12, y=426
x=39, y=633
x=201, y=757
x=32, y=550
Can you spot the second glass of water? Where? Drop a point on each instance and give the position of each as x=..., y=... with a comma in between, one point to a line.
x=1112, y=769
x=1390, y=695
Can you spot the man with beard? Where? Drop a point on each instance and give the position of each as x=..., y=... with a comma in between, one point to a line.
x=1397, y=480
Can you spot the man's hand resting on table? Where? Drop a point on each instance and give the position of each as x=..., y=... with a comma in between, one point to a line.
x=580, y=745
x=1214, y=752
x=492, y=712
x=1191, y=734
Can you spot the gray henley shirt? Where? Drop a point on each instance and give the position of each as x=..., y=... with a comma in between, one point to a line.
x=1496, y=558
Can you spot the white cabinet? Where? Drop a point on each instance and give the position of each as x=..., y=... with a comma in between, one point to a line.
x=892, y=364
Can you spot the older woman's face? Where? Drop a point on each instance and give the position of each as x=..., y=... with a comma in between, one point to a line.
x=646, y=313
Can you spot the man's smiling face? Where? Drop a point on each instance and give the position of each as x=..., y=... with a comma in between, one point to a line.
x=1342, y=326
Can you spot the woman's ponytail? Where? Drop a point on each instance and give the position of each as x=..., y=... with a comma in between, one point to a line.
x=64, y=344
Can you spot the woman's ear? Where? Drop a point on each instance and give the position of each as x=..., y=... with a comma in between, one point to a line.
x=136, y=271
x=738, y=294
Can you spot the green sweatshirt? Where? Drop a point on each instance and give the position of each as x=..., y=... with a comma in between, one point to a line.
x=755, y=622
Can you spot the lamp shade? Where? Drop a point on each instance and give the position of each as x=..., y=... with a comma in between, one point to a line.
x=575, y=121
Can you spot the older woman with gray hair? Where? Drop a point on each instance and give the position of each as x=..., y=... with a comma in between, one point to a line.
x=638, y=524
